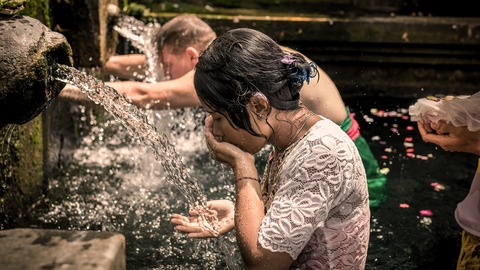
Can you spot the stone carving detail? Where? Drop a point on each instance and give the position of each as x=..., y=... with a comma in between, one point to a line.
x=28, y=52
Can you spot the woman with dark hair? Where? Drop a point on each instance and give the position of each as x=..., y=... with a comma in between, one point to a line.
x=310, y=210
x=180, y=41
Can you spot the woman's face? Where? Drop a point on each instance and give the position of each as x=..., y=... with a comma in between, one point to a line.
x=225, y=132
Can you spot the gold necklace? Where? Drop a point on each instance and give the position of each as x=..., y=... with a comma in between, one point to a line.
x=300, y=129
x=269, y=184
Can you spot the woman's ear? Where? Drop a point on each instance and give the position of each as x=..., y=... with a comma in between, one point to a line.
x=259, y=105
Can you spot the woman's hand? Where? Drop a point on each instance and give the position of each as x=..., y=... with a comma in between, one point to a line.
x=223, y=151
x=195, y=226
x=450, y=137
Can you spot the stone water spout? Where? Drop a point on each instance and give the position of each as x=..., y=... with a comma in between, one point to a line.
x=28, y=51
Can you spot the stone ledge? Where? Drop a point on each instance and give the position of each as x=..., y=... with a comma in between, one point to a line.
x=395, y=56
x=60, y=249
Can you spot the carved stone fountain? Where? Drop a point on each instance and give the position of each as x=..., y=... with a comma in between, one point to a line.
x=28, y=51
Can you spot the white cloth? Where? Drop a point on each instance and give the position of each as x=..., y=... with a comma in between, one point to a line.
x=460, y=111
x=467, y=213
x=320, y=213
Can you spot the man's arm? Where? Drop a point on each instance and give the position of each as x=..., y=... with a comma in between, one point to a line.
x=172, y=94
x=126, y=66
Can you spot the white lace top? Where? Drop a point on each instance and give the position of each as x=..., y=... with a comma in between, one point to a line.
x=318, y=210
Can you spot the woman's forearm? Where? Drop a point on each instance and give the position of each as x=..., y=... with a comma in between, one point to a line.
x=249, y=209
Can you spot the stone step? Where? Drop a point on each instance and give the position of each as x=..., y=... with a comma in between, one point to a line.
x=61, y=249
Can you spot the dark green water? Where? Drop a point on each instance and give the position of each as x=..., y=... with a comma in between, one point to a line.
x=401, y=238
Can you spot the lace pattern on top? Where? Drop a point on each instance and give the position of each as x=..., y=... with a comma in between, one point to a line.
x=319, y=213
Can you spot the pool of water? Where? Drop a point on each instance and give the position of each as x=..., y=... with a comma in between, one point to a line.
x=421, y=177
x=103, y=179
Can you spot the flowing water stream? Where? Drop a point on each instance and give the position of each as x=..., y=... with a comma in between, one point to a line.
x=142, y=37
x=112, y=184
x=175, y=172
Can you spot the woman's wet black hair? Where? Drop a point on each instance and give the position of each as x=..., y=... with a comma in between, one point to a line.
x=243, y=62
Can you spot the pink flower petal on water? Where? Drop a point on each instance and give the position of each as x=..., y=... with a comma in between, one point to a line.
x=404, y=205
x=439, y=187
x=426, y=213
x=423, y=157
x=408, y=144
x=385, y=170
x=392, y=113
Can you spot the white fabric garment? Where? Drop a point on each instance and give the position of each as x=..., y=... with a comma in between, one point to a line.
x=467, y=213
x=459, y=111
x=320, y=211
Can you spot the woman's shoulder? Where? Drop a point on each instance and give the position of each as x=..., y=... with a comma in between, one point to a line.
x=325, y=127
x=325, y=136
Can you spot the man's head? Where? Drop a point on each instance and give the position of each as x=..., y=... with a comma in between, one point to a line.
x=180, y=42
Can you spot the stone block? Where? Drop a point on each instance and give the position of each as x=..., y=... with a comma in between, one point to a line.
x=61, y=249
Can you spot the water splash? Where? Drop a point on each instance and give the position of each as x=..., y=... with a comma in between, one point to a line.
x=137, y=124
x=142, y=36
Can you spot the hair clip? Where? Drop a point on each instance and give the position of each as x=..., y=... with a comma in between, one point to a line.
x=313, y=72
x=305, y=76
x=287, y=59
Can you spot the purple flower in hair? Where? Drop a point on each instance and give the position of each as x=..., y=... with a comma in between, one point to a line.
x=287, y=59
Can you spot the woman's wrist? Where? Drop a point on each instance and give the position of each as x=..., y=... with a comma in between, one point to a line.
x=244, y=166
x=247, y=178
